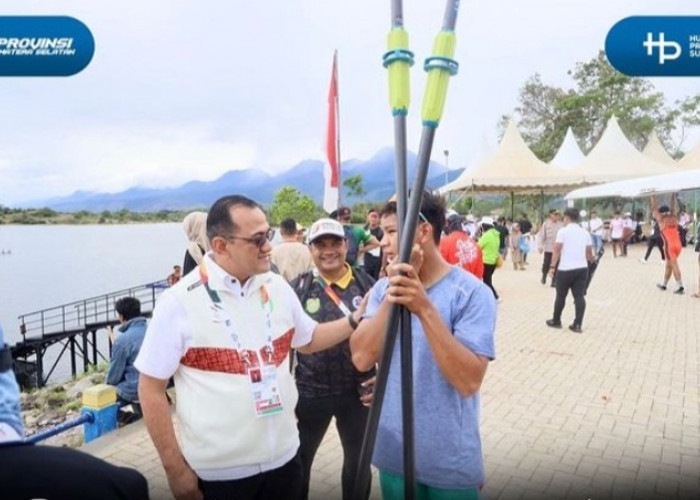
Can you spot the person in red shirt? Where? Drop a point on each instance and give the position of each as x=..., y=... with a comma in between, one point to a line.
x=458, y=248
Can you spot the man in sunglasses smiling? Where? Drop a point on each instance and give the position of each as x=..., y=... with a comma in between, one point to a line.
x=225, y=332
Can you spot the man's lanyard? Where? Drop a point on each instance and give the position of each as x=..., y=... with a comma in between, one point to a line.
x=224, y=316
x=328, y=288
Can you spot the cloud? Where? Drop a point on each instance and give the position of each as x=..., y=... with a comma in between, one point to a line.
x=180, y=90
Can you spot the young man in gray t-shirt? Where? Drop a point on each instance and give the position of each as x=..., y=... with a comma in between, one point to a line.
x=453, y=318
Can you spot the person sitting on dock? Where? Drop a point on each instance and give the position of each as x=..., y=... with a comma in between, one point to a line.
x=29, y=471
x=126, y=345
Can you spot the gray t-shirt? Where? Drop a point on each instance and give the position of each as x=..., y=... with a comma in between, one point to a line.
x=447, y=439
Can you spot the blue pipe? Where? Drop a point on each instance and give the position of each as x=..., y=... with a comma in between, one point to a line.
x=87, y=417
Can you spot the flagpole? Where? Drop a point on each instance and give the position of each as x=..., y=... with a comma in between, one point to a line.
x=337, y=128
x=440, y=66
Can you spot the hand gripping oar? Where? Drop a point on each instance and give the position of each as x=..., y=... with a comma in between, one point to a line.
x=440, y=66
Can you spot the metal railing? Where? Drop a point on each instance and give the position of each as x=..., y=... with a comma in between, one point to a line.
x=76, y=315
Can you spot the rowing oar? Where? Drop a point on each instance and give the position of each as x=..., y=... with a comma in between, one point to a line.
x=398, y=60
x=440, y=66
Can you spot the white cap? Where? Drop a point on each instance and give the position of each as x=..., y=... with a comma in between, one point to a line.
x=487, y=220
x=450, y=212
x=326, y=227
x=583, y=213
x=470, y=218
x=627, y=214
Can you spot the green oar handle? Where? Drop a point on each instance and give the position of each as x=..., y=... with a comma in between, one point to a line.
x=440, y=66
x=398, y=60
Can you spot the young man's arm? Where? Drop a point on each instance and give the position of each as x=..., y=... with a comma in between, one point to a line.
x=367, y=341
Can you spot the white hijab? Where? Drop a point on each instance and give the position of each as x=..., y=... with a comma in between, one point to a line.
x=195, y=225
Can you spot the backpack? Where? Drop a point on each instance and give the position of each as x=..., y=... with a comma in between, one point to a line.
x=302, y=283
x=353, y=245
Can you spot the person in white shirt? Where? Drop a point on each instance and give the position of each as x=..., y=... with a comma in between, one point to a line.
x=617, y=229
x=572, y=253
x=628, y=233
x=595, y=227
x=225, y=332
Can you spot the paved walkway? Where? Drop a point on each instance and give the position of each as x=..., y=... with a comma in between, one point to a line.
x=611, y=413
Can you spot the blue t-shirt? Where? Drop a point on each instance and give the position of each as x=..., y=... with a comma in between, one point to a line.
x=447, y=439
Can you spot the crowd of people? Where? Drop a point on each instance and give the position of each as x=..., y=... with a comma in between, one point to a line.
x=341, y=278
x=266, y=345
x=277, y=342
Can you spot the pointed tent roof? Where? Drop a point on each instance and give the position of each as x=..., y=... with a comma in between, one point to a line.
x=512, y=167
x=569, y=154
x=615, y=158
x=691, y=158
x=656, y=150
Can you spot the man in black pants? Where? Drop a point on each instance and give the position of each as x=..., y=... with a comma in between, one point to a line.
x=655, y=240
x=572, y=253
x=329, y=385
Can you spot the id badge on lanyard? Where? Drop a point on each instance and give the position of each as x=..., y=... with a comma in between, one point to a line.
x=262, y=375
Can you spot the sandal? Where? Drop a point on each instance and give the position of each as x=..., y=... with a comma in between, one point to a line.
x=696, y=296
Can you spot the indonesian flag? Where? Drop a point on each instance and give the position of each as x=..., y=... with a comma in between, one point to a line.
x=331, y=172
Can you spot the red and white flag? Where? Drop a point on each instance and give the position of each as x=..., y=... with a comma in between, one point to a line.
x=331, y=172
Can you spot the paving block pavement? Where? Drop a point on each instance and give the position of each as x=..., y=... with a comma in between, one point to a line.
x=610, y=413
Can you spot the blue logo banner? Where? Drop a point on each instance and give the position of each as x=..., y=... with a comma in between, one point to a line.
x=655, y=46
x=44, y=46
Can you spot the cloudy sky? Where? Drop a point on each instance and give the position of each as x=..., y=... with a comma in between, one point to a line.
x=181, y=90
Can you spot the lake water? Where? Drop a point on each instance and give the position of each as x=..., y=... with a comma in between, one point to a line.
x=53, y=265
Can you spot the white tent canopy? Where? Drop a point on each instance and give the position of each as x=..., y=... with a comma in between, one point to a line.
x=615, y=158
x=691, y=158
x=656, y=150
x=643, y=186
x=569, y=154
x=513, y=167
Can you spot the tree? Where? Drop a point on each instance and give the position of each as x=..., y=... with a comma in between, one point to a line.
x=545, y=112
x=290, y=202
x=355, y=186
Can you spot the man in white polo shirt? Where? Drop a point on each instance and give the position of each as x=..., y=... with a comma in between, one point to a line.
x=225, y=332
x=572, y=253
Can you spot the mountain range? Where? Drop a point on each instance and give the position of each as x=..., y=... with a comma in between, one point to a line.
x=377, y=175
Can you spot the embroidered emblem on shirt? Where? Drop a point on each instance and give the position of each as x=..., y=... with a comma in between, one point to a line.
x=313, y=305
x=356, y=301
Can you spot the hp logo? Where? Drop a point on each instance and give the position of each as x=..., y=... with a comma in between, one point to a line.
x=661, y=44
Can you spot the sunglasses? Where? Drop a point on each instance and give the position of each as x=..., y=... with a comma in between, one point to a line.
x=257, y=240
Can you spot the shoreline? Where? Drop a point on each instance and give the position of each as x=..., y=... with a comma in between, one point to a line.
x=56, y=403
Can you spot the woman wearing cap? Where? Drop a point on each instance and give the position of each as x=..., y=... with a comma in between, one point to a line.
x=490, y=243
x=668, y=226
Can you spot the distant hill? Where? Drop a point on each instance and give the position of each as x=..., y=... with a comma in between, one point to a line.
x=307, y=176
